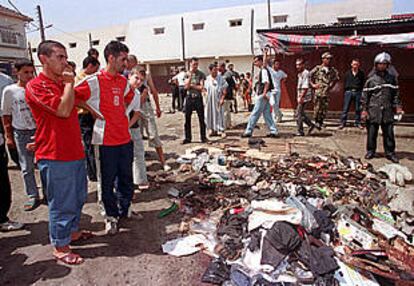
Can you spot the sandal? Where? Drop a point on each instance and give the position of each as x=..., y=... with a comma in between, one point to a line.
x=69, y=258
x=83, y=235
x=31, y=204
x=143, y=187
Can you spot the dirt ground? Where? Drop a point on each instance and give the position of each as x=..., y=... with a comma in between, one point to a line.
x=134, y=256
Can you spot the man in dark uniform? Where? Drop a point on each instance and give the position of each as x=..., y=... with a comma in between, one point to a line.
x=380, y=102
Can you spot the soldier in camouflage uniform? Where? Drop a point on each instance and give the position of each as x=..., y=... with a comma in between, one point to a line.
x=323, y=78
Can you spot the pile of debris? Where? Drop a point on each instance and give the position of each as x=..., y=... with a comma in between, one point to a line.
x=323, y=220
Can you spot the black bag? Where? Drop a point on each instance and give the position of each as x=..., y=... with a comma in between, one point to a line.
x=260, y=85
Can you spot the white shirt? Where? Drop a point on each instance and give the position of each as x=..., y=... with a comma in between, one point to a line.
x=135, y=104
x=180, y=77
x=14, y=103
x=277, y=76
x=303, y=83
x=265, y=77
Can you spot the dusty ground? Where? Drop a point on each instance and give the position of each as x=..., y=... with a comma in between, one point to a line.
x=134, y=256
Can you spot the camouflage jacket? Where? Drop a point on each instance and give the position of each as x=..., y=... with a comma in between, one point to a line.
x=326, y=79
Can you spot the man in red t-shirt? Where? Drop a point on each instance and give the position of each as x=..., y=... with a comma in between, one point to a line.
x=106, y=93
x=59, y=152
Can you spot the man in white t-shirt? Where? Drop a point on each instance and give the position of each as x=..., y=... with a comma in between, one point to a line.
x=180, y=80
x=304, y=95
x=262, y=106
x=20, y=128
x=278, y=77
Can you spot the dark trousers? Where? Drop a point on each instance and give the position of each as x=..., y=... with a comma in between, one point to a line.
x=86, y=123
x=194, y=104
x=175, y=98
x=302, y=117
x=387, y=136
x=116, y=172
x=181, y=96
x=5, y=189
x=350, y=96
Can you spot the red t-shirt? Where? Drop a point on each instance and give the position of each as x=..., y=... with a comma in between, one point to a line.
x=56, y=138
x=107, y=94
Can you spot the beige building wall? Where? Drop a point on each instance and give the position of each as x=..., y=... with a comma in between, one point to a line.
x=328, y=13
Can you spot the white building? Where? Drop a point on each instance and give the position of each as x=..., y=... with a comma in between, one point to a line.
x=226, y=34
x=13, y=42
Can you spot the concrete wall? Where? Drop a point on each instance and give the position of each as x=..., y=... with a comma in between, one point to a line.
x=149, y=47
x=327, y=13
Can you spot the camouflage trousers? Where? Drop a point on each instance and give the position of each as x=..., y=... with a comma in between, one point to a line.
x=321, y=104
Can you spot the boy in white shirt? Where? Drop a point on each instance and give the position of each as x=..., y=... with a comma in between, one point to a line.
x=135, y=114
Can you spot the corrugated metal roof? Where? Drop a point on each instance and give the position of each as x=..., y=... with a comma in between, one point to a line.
x=344, y=26
x=9, y=12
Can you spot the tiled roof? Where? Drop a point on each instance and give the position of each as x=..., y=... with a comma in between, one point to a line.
x=9, y=12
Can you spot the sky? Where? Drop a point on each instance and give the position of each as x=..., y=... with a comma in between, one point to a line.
x=78, y=15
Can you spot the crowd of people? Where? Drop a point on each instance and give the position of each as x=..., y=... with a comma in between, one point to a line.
x=92, y=125
x=224, y=85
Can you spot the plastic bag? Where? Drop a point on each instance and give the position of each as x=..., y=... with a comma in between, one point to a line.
x=308, y=222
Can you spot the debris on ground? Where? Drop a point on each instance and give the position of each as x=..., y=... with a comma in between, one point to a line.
x=321, y=220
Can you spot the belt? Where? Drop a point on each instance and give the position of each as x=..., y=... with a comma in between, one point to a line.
x=354, y=90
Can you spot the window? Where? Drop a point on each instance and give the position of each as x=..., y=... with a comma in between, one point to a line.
x=198, y=26
x=9, y=36
x=34, y=50
x=280, y=19
x=120, y=38
x=159, y=31
x=72, y=45
x=95, y=43
x=236, y=22
x=346, y=20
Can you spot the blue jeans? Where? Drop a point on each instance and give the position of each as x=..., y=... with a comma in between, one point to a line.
x=116, y=172
x=26, y=160
x=262, y=106
x=350, y=96
x=276, y=106
x=66, y=186
x=139, y=167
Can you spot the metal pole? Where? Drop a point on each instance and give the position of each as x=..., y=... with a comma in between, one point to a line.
x=90, y=40
x=183, y=39
x=269, y=21
x=252, y=33
x=42, y=28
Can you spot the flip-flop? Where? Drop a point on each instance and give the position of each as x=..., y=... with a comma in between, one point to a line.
x=143, y=187
x=69, y=258
x=31, y=204
x=84, y=235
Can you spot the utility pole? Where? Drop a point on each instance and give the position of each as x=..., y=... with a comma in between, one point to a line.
x=41, y=27
x=90, y=40
x=269, y=20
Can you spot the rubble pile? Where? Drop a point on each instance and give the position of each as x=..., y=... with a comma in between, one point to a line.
x=322, y=220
